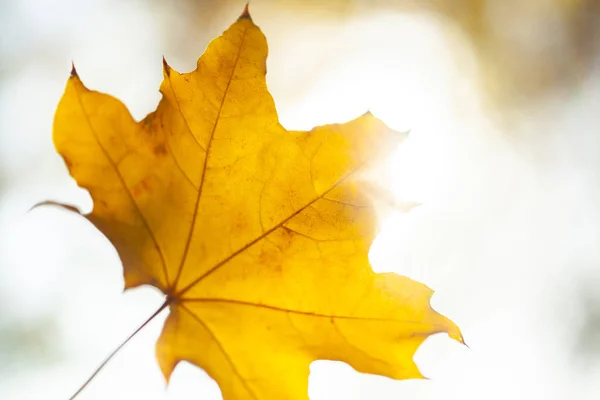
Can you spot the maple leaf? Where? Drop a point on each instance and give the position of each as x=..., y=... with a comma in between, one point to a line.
x=258, y=236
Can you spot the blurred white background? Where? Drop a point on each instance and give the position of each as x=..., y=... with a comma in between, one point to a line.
x=503, y=102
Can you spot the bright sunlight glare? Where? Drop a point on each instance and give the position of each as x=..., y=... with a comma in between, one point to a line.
x=408, y=78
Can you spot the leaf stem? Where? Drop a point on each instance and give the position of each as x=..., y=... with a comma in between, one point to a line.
x=116, y=350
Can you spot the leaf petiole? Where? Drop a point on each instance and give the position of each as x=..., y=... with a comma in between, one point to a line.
x=116, y=350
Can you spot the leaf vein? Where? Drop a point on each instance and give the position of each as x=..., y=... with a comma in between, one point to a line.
x=256, y=240
x=225, y=354
x=176, y=161
x=184, y=118
x=127, y=190
x=204, y=167
x=308, y=313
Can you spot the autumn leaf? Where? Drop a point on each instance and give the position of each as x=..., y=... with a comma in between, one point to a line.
x=258, y=236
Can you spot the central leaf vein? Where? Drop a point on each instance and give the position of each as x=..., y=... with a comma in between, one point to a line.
x=203, y=177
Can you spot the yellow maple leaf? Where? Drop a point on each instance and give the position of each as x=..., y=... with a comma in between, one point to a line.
x=258, y=236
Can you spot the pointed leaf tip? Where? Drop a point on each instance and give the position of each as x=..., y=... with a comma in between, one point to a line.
x=166, y=67
x=73, y=71
x=67, y=207
x=461, y=340
x=246, y=13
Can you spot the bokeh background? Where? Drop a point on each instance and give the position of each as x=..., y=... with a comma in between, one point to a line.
x=502, y=98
